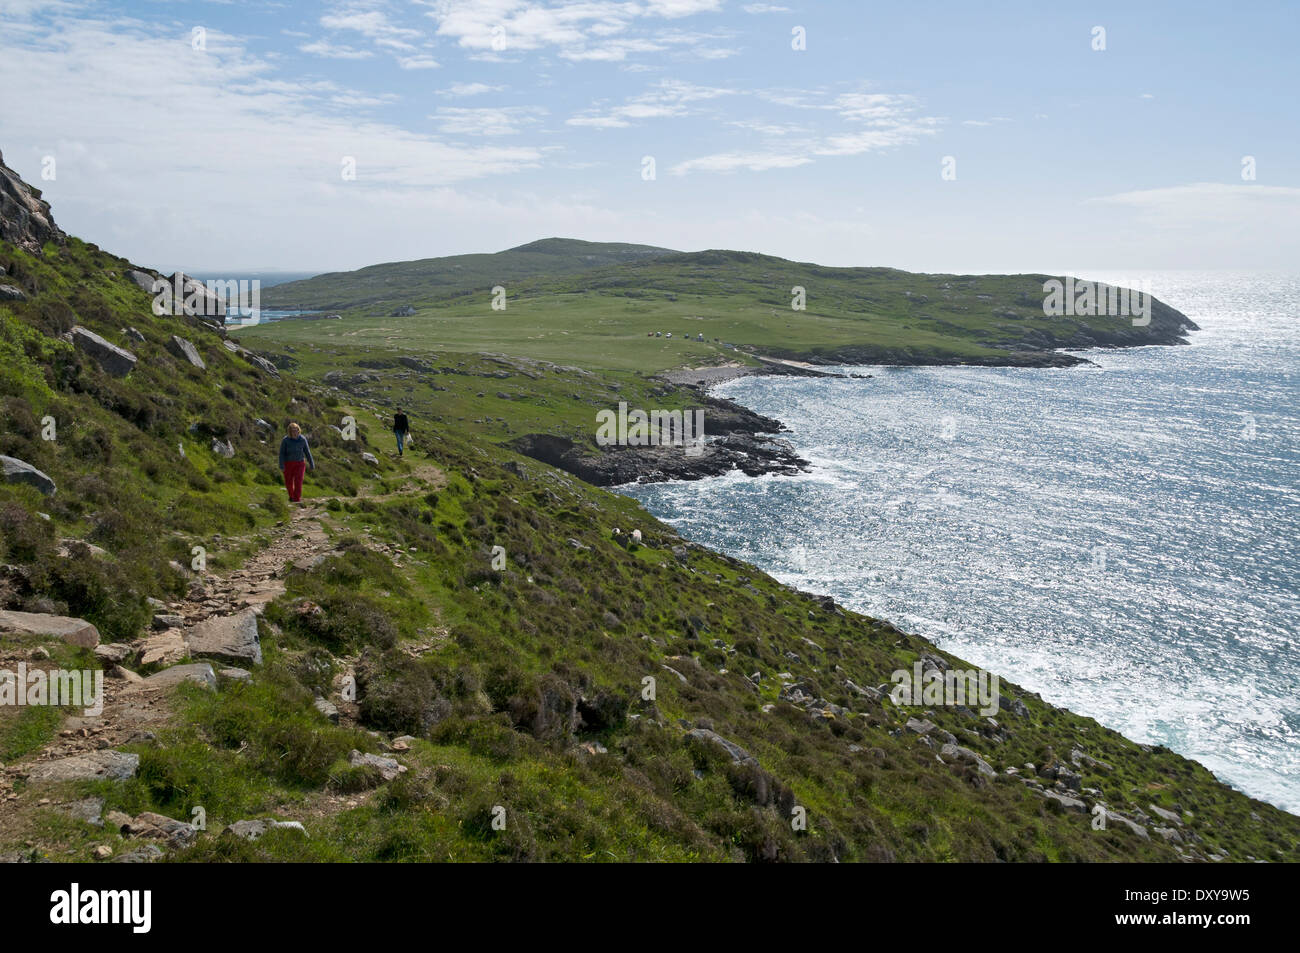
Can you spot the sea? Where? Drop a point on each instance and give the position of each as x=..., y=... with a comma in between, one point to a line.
x=1122, y=537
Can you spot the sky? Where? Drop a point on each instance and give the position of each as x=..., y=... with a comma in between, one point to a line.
x=226, y=136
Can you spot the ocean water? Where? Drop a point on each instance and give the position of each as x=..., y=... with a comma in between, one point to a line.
x=1123, y=539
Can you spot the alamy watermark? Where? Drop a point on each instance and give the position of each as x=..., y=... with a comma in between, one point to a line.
x=952, y=687
x=56, y=687
x=657, y=428
x=237, y=299
x=1086, y=299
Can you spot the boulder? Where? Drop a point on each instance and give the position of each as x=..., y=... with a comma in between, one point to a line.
x=160, y=827
x=142, y=279
x=370, y=458
x=200, y=673
x=388, y=768
x=112, y=652
x=18, y=471
x=163, y=648
x=328, y=709
x=12, y=293
x=1165, y=815
x=112, y=359
x=223, y=448
x=87, y=809
x=25, y=217
x=1067, y=802
x=73, y=631
x=951, y=752
x=186, y=351
x=234, y=675
x=230, y=638
x=252, y=830
x=92, y=766
x=134, y=335
x=738, y=754
x=163, y=621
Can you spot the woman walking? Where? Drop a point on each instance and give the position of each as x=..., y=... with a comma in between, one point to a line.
x=295, y=458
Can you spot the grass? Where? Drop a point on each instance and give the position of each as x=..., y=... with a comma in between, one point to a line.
x=508, y=678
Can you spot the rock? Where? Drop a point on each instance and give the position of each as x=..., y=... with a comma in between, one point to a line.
x=1067, y=802
x=102, y=852
x=388, y=768
x=112, y=359
x=951, y=752
x=1126, y=822
x=186, y=351
x=234, y=675
x=73, y=631
x=1080, y=759
x=1170, y=816
x=163, y=649
x=402, y=743
x=738, y=754
x=25, y=217
x=19, y=471
x=919, y=726
x=162, y=623
x=134, y=335
x=223, y=448
x=230, y=638
x=125, y=675
x=200, y=673
x=370, y=458
x=143, y=280
x=68, y=546
x=252, y=830
x=146, y=854
x=87, y=809
x=159, y=827
x=117, y=820
x=92, y=766
x=328, y=709
x=12, y=293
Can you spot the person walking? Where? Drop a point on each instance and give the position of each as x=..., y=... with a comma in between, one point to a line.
x=295, y=458
x=401, y=429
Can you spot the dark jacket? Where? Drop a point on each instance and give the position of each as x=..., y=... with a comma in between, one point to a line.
x=293, y=449
x=401, y=424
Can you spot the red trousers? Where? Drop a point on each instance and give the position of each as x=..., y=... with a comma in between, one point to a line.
x=293, y=471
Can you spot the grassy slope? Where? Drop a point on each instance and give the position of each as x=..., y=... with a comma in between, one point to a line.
x=507, y=651
x=600, y=316
x=398, y=284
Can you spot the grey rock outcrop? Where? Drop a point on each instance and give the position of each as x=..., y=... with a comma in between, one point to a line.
x=73, y=631
x=19, y=471
x=231, y=638
x=186, y=351
x=25, y=217
x=112, y=359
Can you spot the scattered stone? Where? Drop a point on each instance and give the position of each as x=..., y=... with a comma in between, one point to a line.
x=388, y=768
x=134, y=335
x=145, y=854
x=223, y=448
x=738, y=754
x=125, y=675
x=142, y=279
x=102, y=852
x=73, y=631
x=200, y=673
x=87, y=809
x=19, y=471
x=370, y=458
x=12, y=293
x=1067, y=802
x=231, y=638
x=112, y=359
x=91, y=766
x=112, y=652
x=186, y=351
x=252, y=830
x=163, y=649
x=161, y=623
x=159, y=827
x=234, y=675
x=327, y=708
x=1170, y=816
x=117, y=820
x=952, y=752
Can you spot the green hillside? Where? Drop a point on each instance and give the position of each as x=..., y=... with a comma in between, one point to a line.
x=399, y=284
x=739, y=302
x=502, y=692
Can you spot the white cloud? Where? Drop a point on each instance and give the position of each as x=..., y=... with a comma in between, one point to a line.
x=487, y=121
x=666, y=99
x=334, y=52
x=271, y=168
x=735, y=161
x=469, y=89
x=757, y=8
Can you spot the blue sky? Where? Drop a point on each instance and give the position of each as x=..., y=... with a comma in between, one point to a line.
x=476, y=126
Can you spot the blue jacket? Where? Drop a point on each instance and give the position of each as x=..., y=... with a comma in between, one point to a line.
x=293, y=449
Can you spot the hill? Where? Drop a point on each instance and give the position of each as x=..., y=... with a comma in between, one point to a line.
x=654, y=309
x=453, y=655
x=402, y=284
